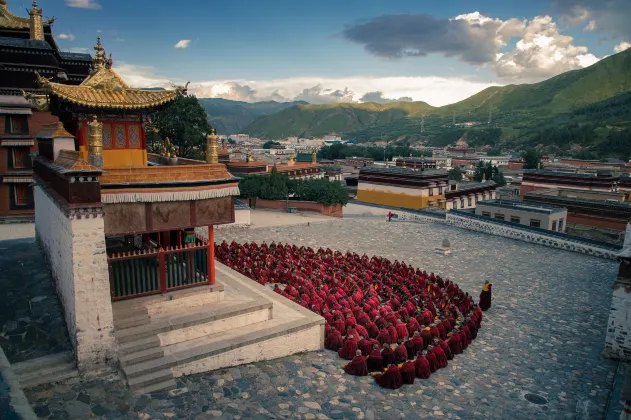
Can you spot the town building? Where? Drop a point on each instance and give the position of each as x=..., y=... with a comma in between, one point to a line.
x=466, y=195
x=599, y=215
x=543, y=179
x=292, y=168
x=402, y=187
x=27, y=46
x=541, y=216
x=240, y=138
x=415, y=163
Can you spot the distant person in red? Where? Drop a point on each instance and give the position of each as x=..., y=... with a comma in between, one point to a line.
x=390, y=379
x=387, y=355
x=389, y=216
x=349, y=348
x=375, y=361
x=408, y=372
x=357, y=366
x=334, y=340
x=485, y=296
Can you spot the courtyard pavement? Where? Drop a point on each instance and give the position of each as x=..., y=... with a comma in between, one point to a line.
x=543, y=335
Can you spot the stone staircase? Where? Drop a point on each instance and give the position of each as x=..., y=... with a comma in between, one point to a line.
x=44, y=370
x=196, y=330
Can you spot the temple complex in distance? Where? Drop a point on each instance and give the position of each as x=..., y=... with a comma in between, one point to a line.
x=131, y=243
x=27, y=45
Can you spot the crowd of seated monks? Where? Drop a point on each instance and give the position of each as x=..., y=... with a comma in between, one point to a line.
x=388, y=319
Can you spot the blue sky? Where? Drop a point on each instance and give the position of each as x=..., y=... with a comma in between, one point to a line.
x=314, y=50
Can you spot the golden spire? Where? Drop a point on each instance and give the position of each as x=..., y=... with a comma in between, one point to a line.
x=248, y=156
x=37, y=27
x=99, y=56
x=404, y=165
x=211, y=147
x=314, y=157
x=291, y=160
x=95, y=143
x=109, y=62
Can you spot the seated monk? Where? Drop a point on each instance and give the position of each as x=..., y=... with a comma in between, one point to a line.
x=421, y=366
x=393, y=333
x=454, y=343
x=375, y=361
x=442, y=333
x=463, y=339
x=431, y=358
x=357, y=366
x=334, y=340
x=364, y=345
x=373, y=330
x=384, y=337
x=400, y=352
x=445, y=346
x=408, y=371
x=409, y=347
x=390, y=379
x=402, y=330
x=387, y=355
x=441, y=358
x=427, y=336
x=418, y=343
x=349, y=348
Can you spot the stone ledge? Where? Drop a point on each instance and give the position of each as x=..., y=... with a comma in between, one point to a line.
x=15, y=398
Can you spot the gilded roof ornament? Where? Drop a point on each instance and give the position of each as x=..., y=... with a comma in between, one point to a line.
x=11, y=21
x=99, y=56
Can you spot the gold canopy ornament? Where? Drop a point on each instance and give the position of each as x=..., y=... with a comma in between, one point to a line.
x=248, y=156
x=212, y=156
x=95, y=143
x=10, y=21
x=104, y=88
x=35, y=22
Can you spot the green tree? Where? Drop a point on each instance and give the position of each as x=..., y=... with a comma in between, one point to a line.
x=269, y=144
x=250, y=186
x=532, y=158
x=231, y=141
x=185, y=123
x=275, y=186
x=455, y=174
x=498, y=177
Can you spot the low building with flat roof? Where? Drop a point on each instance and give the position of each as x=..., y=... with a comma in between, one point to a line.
x=529, y=214
x=543, y=179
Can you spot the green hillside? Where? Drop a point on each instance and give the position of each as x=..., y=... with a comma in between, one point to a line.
x=230, y=117
x=516, y=110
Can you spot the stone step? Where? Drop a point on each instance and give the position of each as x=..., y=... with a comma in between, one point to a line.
x=145, y=368
x=141, y=356
x=41, y=363
x=161, y=386
x=49, y=375
x=201, y=315
x=144, y=381
x=132, y=320
x=139, y=345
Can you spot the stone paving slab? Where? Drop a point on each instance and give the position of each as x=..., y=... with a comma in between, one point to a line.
x=31, y=319
x=543, y=335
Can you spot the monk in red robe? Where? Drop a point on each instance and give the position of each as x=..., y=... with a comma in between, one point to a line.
x=402, y=330
x=357, y=366
x=384, y=337
x=393, y=333
x=441, y=358
x=334, y=340
x=454, y=343
x=485, y=296
x=408, y=372
x=400, y=352
x=375, y=361
x=390, y=379
x=427, y=335
x=431, y=358
x=339, y=324
x=349, y=348
x=421, y=366
x=445, y=346
x=387, y=355
x=418, y=343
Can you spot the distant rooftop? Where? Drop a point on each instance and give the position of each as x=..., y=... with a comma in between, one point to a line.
x=6, y=41
x=568, y=174
x=519, y=205
x=406, y=172
x=474, y=185
x=75, y=56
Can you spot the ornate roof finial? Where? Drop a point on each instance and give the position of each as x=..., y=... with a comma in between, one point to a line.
x=109, y=62
x=99, y=57
x=211, y=147
x=314, y=157
x=248, y=156
x=36, y=24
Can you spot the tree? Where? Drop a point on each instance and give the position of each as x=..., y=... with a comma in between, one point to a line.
x=274, y=187
x=498, y=177
x=269, y=144
x=532, y=158
x=455, y=174
x=185, y=123
x=231, y=141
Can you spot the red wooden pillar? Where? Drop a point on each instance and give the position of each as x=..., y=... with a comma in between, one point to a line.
x=179, y=237
x=211, y=255
x=146, y=239
x=166, y=239
x=162, y=267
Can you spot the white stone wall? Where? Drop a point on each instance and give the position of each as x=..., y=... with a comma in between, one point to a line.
x=527, y=236
x=618, y=339
x=75, y=249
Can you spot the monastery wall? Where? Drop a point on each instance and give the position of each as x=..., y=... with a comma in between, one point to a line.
x=529, y=235
x=333, y=211
x=75, y=248
x=241, y=219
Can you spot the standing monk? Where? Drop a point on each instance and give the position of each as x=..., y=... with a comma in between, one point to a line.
x=485, y=296
x=357, y=366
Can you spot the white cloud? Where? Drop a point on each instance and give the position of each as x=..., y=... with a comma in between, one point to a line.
x=542, y=52
x=67, y=36
x=83, y=4
x=622, y=47
x=183, y=43
x=591, y=26
x=436, y=91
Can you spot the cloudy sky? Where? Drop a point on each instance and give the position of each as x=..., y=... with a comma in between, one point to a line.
x=343, y=50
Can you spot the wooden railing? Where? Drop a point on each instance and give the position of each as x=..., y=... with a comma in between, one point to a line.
x=148, y=272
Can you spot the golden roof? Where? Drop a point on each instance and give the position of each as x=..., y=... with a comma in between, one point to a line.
x=53, y=130
x=9, y=20
x=70, y=161
x=104, y=88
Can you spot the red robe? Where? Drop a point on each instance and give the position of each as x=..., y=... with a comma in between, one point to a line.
x=402, y=330
x=391, y=379
x=427, y=336
x=340, y=326
x=333, y=341
x=463, y=340
x=445, y=346
x=373, y=330
x=422, y=367
x=384, y=337
x=454, y=344
x=433, y=363
x=357, y=366
x=441, y=358
x=485, y=299
x=408, y=373
x=375, y=361
x=418, y=343
x=348, y=350
x=442, y=333
x=400, y=353
x=393, y=334
x=388, y=356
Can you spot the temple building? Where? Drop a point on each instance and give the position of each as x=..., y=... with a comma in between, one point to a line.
x=27, y=45
x=467, y=195
x=130, y=243
x=542, y=179
x=293, y=169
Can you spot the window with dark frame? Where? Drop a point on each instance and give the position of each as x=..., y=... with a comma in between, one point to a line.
x=469, y=201
x=499, y=216
x=486, y=214
x=554, y=226
x=560, y=225
x=16, y=124
x=21, y=194
x=20, y=157
x=515, y=219
x=535, y=223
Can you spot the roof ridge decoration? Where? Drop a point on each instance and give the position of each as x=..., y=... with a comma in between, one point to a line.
x=9, y=20
x=104, y=88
